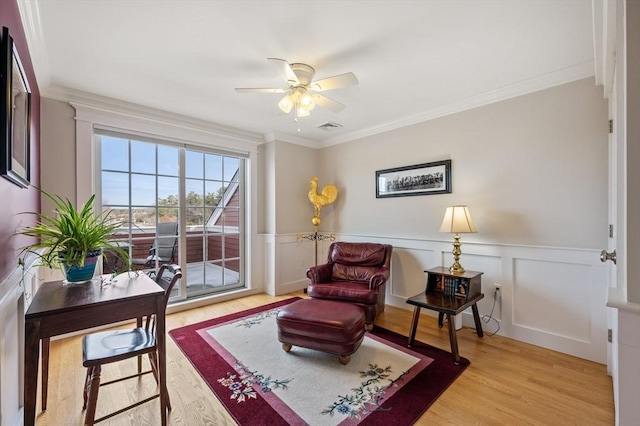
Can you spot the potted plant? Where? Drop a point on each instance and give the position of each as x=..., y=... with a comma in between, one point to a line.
x=73, y=239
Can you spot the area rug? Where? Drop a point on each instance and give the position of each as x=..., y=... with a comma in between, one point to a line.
x=243, y=363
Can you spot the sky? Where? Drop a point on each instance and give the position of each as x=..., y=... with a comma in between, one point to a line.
x=121, y=159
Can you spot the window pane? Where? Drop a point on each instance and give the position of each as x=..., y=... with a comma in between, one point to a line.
x=143, y=157
x=119, y=214
x=215, y=247
x=216, y=220
x=143, y=190
x=214, y=191
x=233, y=198
x=232, y=272
x=194, y=247
x=231, y=168
x=143, y=218
x=194, y=189
x=168, y=214
x=168, y=189
x=213, y=165
x=115, y=153
x=143, y=181
x=168, y=160
x=232, y=245
x=115, y=189
x=193, y=166
x=208, y=214
x=231, y=219
x=195, y=216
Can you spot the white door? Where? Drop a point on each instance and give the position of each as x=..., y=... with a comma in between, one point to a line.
x=616, y=255
x=611, y=255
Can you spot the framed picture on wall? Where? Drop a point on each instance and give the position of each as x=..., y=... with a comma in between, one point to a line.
x=15, y=115
x=419, y=179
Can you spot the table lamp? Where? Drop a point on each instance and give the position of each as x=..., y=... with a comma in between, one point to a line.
x=457, y=219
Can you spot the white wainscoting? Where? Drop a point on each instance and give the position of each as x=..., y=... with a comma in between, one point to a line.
x=287, y=258
x=15, y=295
x=551, y=297
x=625, y=356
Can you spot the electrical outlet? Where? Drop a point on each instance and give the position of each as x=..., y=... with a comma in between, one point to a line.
x=497, y=291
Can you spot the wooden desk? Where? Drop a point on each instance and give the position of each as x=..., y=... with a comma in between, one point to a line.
x=59, y=308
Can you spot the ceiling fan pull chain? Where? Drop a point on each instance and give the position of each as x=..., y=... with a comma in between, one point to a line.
x=295, y=117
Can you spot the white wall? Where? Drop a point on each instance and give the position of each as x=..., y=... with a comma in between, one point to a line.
x=532, y=169
x=266, y=190
x=295, y=166
x=57, y=150
x=287, y=171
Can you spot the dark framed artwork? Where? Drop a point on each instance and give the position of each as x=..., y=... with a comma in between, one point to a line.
x=419, y=179
x=15, y=120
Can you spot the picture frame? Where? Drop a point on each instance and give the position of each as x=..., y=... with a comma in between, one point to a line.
x=419, y=179
x=15, y=115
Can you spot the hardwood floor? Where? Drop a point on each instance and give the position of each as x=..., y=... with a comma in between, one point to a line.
x=507, y=383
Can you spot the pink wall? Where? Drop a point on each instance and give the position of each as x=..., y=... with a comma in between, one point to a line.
x=14, y=199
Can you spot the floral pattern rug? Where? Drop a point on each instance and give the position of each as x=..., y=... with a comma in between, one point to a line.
x=243, y=362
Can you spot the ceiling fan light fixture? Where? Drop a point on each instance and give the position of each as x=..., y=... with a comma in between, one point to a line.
x=286, y=104
x=306, y=101
x=300, y=97
x=302, y=111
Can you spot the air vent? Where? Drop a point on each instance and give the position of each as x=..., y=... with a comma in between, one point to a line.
x=329, y=125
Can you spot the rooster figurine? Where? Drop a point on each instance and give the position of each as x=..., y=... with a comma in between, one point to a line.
x=328, y=196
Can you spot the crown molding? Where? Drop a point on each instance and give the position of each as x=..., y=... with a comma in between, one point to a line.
x=283, y=137
x=531, y=85
x=30, y=15
x=604, y=42
x=76, y=97
x=601, y=68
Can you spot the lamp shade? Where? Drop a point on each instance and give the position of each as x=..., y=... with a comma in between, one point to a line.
x=457, y=219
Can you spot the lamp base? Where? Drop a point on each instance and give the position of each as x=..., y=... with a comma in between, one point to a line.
x=456, y=268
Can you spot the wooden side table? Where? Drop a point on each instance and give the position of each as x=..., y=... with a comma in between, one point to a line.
x=436, y=299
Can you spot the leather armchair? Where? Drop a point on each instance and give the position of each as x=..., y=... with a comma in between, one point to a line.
x=355, y=273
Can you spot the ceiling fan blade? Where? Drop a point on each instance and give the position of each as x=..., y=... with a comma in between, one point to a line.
x=260, y=90
x=335, y=82
x=285, y=70
x=327, y=103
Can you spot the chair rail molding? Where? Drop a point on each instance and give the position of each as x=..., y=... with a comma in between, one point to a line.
x=553, y=297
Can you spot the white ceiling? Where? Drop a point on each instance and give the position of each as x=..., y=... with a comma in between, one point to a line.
x=414, y=59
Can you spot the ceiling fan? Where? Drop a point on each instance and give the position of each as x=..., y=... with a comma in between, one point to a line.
x=300, y=95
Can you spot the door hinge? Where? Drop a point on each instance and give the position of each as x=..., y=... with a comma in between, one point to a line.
x=610, y=126
x=610, y=336
x=610, y=231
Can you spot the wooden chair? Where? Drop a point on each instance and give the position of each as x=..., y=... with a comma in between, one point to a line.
x=111, y=346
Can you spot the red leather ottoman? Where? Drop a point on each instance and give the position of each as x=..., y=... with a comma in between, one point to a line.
x=324, y=325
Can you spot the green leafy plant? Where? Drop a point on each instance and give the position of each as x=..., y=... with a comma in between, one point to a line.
x=72, y=235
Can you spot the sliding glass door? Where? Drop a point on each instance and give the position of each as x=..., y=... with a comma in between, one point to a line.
x=213, y=220
x=183, y=205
